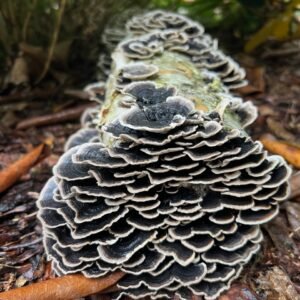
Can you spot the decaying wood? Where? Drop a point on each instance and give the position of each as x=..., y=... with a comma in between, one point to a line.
x=137, y=107
x=279, y=279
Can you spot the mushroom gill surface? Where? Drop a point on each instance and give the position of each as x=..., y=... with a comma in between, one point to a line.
x=163, y=182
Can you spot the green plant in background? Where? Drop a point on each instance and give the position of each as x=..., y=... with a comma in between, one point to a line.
x=237, y=20
x=56, y=31
x=230, y=18
x=62, y=37
x=280, y=27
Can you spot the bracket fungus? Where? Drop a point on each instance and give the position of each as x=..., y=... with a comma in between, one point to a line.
x=163, y=182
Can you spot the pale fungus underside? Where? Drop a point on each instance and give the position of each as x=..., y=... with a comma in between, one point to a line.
x=163, y=182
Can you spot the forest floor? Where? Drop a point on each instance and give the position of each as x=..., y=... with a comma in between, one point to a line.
x=274, y=86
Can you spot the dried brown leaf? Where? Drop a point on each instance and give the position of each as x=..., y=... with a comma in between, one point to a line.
x=19, y=72
x=256, y=81
x=290, y=152
x=63, y=288
x=277, y=285
x=12, y=173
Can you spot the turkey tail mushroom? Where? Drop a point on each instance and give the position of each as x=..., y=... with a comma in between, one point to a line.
x=163, y=183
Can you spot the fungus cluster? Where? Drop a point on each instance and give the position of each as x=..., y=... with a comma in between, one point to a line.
x=163, y=31
x=171, y=194
x=159, y=31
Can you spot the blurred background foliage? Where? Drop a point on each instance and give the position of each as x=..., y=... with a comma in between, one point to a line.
x=40, y=38
x=242, y=23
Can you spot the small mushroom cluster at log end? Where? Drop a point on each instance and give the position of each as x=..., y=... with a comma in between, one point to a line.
x=176, y=198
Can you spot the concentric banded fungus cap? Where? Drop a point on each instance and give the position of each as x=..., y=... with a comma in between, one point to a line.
x=138, y=71
x=179, y=211
x=158, y=31
x=163, y=184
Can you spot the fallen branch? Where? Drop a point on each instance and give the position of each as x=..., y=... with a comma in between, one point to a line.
x=43, y=94
x=62, y=288
x=289, y=152
x=12, y=173
x=79, y=94
x=18, y=246
x=25, y=95
x=65, y=115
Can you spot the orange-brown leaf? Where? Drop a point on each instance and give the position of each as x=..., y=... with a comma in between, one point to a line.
x=12, y=173
x=289, y=152
x=62, y=288
x=256, y=81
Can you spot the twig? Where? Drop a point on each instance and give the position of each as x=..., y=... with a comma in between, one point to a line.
x=294, y=232
x=80, y=94
x=66, y=115
x=42, y=94
x=27, y=19
x=8, y=248
x=281, y=52
x=20, y=239
x=53, y=41
x=28, y=95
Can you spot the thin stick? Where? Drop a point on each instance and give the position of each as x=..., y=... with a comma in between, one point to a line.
x=53, y=41
x=34, y=94
x=27, y=20
x=62, y=116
